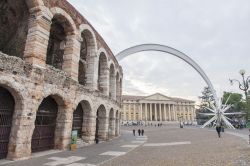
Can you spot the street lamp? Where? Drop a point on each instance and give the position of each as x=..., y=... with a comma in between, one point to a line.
x=244, y=85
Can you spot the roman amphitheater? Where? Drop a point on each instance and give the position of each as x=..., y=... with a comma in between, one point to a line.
x=57, y=74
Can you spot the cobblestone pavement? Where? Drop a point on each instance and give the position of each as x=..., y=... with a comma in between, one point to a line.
x=162, y=146
x=206, y=149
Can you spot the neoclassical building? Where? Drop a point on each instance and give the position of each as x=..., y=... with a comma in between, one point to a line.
x=57, y=74
x=157, y=107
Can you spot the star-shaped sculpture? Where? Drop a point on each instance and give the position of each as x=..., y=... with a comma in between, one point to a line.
x=219, y=114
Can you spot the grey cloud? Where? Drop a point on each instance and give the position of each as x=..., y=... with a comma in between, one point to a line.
x=216, y=34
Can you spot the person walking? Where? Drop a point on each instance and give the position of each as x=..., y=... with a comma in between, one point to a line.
x=134, y=132
x=139, y=132
x=142, y=132
x=218, y=129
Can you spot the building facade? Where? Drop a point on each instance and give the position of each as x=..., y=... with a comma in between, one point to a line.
x=57, y=74
x=157, y=107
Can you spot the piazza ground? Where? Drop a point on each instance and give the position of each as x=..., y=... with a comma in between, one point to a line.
x=162, y=146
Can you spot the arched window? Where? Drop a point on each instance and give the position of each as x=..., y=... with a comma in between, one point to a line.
x=102, y=73
x=57, y=41
x=101, y=132
x=112, y=82
x=7, y=106
x=87, y=50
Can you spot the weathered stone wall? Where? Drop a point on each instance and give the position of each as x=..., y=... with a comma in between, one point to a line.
x=30, y=78
x=29, y=85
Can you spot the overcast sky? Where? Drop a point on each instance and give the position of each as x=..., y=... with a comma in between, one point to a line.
x=214, y=33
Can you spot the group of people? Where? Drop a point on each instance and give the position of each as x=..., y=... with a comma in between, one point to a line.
x=140, y=132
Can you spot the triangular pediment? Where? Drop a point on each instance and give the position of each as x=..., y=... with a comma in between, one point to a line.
x=157, y=96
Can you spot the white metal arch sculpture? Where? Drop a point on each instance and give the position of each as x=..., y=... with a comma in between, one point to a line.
x=218, y=110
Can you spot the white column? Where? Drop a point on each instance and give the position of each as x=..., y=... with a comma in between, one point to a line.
x=141, y=111
x=129, y=112
x=160, y=112
x=165, y=113
x=169, y=114
x=134, y=113
x=155, y=112
x=146, y=111
x=174, y=110
x=150, y=111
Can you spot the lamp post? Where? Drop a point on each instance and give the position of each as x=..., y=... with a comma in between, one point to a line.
x=244, y=85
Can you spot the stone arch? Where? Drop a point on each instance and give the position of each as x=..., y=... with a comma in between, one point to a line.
x=103, y=73
x=87, y=122
x=111, y=129
x=8, y=107
x=61, y=28
x=88, y=46
x=59, y=126
x=14, y=19
x=101, y=123
x=120, y=99
x=44, y=134
x=112, y=82
x=117, y=123
x=77, y=122
x=117, y=85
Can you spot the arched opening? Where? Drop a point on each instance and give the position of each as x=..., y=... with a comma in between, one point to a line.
x=101, y=131
x=112, y=82
x=7, y=107
x=43, y=137
x=60, y=28
x=120, y=99
x=102, y=73
x=87, y=50
x=117, y=87
x=78, y=120
x=111, y=130
x=117, y=123
x=14, y=17
x=87, y=123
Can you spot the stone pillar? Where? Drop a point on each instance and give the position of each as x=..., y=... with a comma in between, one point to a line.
x=146, y=111
x=117, y=127
x=103, y=128
x=129, y=112
x=165, y=112
x=160, y=112
x=169, y=113
x=89, y=128
x=141, y=111
x=112, y=127
x=112, y=86
x=174, y=111
x=22, y=130
x=155, y=112
x=105, y=82
x=150, y=110
x=71, y=57
x=134, y=112
x=37, y=38
x=63, y=127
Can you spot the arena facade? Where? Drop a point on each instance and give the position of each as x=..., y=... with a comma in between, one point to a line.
x=57, y=74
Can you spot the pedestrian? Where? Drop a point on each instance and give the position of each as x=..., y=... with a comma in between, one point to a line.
x=142, y=132
x=139, y=132
x=134, y=132
x=218, y=129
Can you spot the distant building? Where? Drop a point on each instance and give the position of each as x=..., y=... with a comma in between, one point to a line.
x=157, y=107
